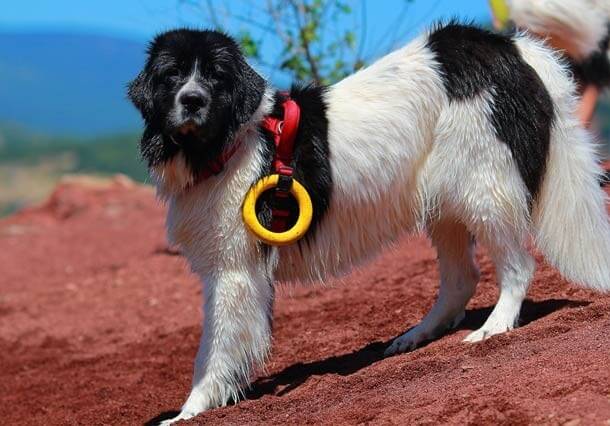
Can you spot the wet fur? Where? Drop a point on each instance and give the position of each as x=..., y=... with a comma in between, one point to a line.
x=434, y=137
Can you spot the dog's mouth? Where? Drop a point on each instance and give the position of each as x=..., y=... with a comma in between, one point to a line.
x=188, y=133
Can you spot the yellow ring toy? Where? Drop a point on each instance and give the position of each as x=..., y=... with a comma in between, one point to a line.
x=290, y=236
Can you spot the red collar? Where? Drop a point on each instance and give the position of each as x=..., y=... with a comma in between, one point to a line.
x=284, y=133
x=216, y=166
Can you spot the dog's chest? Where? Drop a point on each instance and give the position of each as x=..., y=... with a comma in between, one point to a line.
x=193, y=216
x=206, y=221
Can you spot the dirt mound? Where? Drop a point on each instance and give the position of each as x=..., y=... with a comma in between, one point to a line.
x=99, y=324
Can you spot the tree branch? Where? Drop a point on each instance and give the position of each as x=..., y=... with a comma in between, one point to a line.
x=299, y=10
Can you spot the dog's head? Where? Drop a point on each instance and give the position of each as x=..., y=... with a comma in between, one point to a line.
x=195, y=92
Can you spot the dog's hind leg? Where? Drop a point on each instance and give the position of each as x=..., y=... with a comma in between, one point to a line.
x=459, y=277
x=514, y=270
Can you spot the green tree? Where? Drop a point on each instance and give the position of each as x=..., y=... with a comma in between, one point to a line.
x=316, y=44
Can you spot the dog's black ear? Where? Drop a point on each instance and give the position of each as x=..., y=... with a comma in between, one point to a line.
x=248, y=92
x=140, y=93
x=152, y=146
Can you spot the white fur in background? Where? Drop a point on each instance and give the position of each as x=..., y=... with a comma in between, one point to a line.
x=583, y=24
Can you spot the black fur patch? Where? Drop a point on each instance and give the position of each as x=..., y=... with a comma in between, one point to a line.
x=311, y=161
x=605, y=179
x=596, y=68
x=235, y=90
x=473, y=60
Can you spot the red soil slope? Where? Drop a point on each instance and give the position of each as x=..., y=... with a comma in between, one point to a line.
x=99, y=323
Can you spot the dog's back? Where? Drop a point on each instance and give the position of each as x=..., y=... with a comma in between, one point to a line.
x=459, y=123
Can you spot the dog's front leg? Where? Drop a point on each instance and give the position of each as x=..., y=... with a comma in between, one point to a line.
x=235, y=340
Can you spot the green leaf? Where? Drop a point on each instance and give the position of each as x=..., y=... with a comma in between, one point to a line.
x=250, y=47
x=350, y=39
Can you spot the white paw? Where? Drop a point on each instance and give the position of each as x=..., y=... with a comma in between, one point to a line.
x=421, y=333
x=486, y=332
x=205, y=396
x=168, y=422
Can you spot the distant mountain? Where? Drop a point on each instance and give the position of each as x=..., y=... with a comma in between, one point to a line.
x=31, y=163
x=68, y=83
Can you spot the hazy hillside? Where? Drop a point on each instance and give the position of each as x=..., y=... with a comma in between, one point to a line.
x=74, y=84
x=68, y=83
x=31, y=163
x=63, y=110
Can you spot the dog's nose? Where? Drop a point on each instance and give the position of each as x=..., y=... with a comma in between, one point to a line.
x=193, y=101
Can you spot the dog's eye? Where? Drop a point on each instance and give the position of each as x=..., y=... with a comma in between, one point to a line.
x=218, y=71
x=172, y=72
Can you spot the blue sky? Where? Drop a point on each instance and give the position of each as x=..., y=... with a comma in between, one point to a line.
x=388, y=23
x=142, y=18
x=382, y=24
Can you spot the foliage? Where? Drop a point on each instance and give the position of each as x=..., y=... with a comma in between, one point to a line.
x=101, y=155
x=316, y=37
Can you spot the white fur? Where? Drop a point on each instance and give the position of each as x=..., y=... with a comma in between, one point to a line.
x=205, y=220
x=571, y=227
x=403, y=158
x=377, y=148
x=582, y=23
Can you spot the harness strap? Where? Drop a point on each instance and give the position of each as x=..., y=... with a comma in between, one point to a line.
x=284, y=133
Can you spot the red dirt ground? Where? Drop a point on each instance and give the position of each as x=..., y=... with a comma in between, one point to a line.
x=99, y=324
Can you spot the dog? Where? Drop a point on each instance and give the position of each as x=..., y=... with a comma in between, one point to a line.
x=581, y=26
x=462, y=133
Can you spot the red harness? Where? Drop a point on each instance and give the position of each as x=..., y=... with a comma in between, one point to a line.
x=284, y=131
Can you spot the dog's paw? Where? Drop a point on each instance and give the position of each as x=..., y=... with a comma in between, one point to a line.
x=173, y=420
x=407, y=342
x=486, y=332
x=205, y=396
x=421, y=333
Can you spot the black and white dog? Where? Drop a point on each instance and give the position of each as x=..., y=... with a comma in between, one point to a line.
x=462, y=133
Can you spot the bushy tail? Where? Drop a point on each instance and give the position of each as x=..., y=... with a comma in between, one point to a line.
x=570, y=217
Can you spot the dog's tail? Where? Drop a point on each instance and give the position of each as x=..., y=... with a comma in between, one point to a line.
x=570, y=218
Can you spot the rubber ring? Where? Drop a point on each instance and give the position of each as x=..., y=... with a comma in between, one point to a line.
x=293, y=234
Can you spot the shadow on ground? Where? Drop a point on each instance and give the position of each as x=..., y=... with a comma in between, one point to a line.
x=346, y=364
x=166, y=415
x=295, y=375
